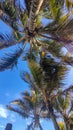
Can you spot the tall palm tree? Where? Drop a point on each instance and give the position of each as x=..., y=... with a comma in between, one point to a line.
x=27, y=27
x=48, y=77
x=45, y=84
x=26, y=23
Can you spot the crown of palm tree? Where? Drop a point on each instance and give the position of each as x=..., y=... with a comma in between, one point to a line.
x=26, y=23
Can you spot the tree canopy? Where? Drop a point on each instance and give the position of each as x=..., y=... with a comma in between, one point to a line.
x=48, y=65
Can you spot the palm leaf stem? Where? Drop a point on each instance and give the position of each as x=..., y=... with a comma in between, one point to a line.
x=49, y=37
x=34, y=10
x=57, y=39
x=40, y=127
x=38, y=42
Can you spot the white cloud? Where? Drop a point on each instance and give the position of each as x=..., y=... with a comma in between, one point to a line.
x=3, y=112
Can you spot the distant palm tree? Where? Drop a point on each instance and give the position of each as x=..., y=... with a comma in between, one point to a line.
x=27, y=27
x=29, y=107
x=64, y=107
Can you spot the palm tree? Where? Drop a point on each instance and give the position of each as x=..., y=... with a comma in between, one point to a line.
x=29, y=107
x=48, y=77
x=64, y=107
x=45, y=85
x=27, y=26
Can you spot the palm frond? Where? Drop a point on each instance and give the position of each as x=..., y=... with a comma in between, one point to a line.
x=8, y=7
x=68, y=60
x=62, y=32
x=69, y=89
x=18, y=102
x=28, y=5
x=10, y=60
x=7, y=40
x=55, y=7
x=22, y=113
x=61, y=125
x=6, y=44
x=9, y=13
x=52, y=46
x=34, y=10
x=5, y=17
x=25, y=93
x=25, y=77
x=36, y=71
x=17, y=8
x=54, y=73
x=64, y=101
x=69, y=5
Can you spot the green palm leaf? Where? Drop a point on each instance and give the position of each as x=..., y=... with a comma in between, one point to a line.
x=10, y=60
x=36, y=71
x=7, y=13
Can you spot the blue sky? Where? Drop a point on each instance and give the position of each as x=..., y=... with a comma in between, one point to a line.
x=11, y=86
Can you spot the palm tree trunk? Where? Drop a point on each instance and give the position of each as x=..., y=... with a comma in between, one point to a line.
x=40, y=127
x=34, y=10
x=56, y=126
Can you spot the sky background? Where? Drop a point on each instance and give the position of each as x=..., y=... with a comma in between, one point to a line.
x=11, y=86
